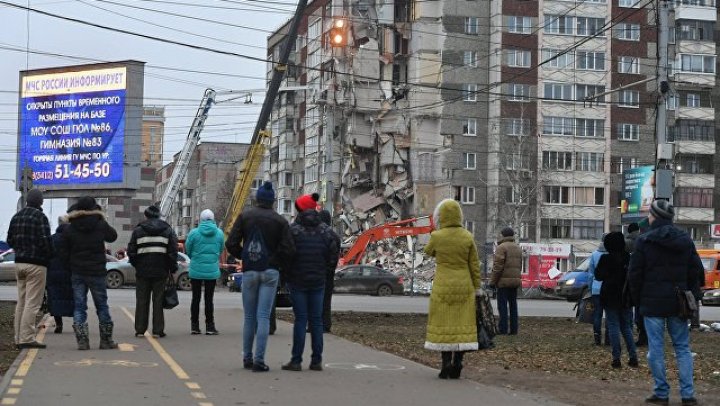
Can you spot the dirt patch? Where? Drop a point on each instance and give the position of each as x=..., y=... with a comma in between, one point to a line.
x=7, y=333
x=553, y=357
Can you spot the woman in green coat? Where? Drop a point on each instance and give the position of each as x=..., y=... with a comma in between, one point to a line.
x=452, y=328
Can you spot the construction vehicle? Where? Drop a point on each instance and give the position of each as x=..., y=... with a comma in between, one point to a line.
x=408, y=227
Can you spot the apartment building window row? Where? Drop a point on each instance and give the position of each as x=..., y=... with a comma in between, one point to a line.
x=694, y=164
x=472, y=25
x=465, y=194
x=697, y=63
x=518, y=92
x=574, y=92
x=629, y=98
x=576, y=229
x=519, y=24
x=557, y=58
x=589, y=161
x=692, y=130
x=582, y=195
x=619, y=164
x=516, y=126
x=629, y=3
x=627, y=31
x=517, y=162
x=470, y=92
x=693, y=98
x=694, y=30
x=573, y=25
x=578, y=127
x=628, y=132
x=701, y=3
x=557, y=160
x=517, y=58
x=629, y=64
x=590, y=60
x=694, y=197
x=517, y=194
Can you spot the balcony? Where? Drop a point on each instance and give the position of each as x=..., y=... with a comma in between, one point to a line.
x=701, y=180
x=694, y=214
x=695, y=10
x=695, y=113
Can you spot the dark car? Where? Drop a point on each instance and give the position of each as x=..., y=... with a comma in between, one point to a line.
x=573, y=285
x=711, y=298
x=367, y=279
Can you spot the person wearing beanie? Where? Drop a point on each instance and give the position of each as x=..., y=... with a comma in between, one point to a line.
x=261, y=238
x=82, y=251
x=506, y=276
x=664, y=263
x=59, y=284
x=326, y=218
x=204, y=245
x=152, y=250
x=29, y=236
x=316, y=252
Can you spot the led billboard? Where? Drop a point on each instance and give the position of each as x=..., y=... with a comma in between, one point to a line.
x=638, y=193
x=77, y=129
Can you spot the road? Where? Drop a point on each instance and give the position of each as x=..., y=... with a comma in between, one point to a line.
x=394, y=304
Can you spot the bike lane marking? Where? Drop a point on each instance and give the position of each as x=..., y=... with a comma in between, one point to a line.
x=17, y=382
x=172, y=364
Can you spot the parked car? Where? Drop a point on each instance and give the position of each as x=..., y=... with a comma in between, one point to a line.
x=573, y=285
x=121, y=272
x=711, y=298
x=7, y=266
x=367, y=279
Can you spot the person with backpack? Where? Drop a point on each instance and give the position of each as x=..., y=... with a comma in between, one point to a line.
x=316, y=251
x=203, y=246
x=261, y=239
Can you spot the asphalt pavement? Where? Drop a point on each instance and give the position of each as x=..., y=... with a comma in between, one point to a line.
x=182, y=369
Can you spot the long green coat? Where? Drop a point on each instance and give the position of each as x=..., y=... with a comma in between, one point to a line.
x=451, y=318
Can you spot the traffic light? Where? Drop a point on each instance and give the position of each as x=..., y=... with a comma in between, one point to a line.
x=339, y=33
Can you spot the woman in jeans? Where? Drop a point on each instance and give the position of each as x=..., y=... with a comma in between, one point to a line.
x=203, y=246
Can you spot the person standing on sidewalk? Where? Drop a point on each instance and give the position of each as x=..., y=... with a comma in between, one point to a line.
x=612, y=271
x=664, y=262
x=203, y=246
x=452, y=324
x=633, y=232
x=82, y=250
x=152, y=251
x=595, y=287
x=59, y=283
x=316, y=251
x=507, y=269
x=330, y=276
x=261, y=239
x=29, y=236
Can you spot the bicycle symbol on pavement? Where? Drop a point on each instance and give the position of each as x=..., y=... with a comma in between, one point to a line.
x=86, y=362
x=365, y=367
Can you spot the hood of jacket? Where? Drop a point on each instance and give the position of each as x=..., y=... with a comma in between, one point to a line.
x=614, y=242
x=85, y=220
x=61, y=227
x=448, y=214
x=207, y=228
x=308, y=218
x=664, y=234
x=154, y=226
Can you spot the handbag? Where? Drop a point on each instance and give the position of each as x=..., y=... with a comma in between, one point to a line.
x=170, y=296
x=686, y=304
x=586, y=309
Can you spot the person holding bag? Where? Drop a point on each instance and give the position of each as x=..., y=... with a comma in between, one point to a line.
x=152, y=250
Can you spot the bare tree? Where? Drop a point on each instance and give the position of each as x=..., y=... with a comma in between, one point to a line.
x=223, y=196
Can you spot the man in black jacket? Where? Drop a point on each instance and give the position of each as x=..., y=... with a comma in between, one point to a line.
x=29, y=236
x=82, y=250
x=330, y=276
x=152, y=250
x=665, y=262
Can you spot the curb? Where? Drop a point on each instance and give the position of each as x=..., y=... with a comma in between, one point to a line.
x=10, y=373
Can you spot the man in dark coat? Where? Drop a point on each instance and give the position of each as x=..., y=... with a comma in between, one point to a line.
x=82, y=251
x=330, y=277
x=664, y=262
x=29, y=236
x=152, y=250
x=59, y=284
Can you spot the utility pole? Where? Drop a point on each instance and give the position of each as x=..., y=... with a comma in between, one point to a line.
x=664, y=150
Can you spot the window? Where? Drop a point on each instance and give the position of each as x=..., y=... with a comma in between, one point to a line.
x=558, y=126
x=692, y=163
x=517, y=58
x=516, y=126
x=590, y=196
x=587, y=92
x=470, y=92
x=558, y=91
x=693, y=100
x=517, y=195
x=472, y=25
x=557, y=161
x=314, y=59
x=314, y=29
x=470, y=127
x=556, y=194
x=469, y=160
x=311, y=145
x=555, y=228
x=629, y=98
x=694, y=30
x=587, y=229
x=672, y=102
x=517, y=161
x=589, y=161
x=555, y=24
x=587, y=60
x=697, y=63
x=619, y=164
x=694, y=130
x=693, y=197
x=465, y=194
x=519, y=24
x=629, y=64
x=518, y=92
x=627, y=31
x=588, y=127
x=628, y=3
x=557, y=58
x=470, y=59
x=470, y=226
x=628, y=132
x=587, y=26
x=286, y=179
x=285, y=206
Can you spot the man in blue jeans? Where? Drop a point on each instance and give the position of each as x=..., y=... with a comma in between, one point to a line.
x=664, y=262
x=506, y=276
x=595, y=287
x=261, y=238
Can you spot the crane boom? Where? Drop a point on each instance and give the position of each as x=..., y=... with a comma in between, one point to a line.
x=183, y=161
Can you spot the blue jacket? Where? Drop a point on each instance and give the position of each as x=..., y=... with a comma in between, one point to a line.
x=596, y=285
x=316, y=250
x=61, y=301
x=204, y=245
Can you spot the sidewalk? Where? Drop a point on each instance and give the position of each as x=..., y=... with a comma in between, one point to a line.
x=181, y=369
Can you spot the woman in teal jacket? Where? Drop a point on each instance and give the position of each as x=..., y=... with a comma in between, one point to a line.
x=204, y=245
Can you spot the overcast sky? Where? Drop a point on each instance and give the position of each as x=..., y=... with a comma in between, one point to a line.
x=244, y=31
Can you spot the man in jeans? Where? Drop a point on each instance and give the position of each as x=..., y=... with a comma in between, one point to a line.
x=29, y=236
x=664, y=262
x=259, y=283
x=507, y=267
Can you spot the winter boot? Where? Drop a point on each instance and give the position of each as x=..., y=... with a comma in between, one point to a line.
x=82, y=335
x=446, y=365
x=597, y=339
x=106, y=340
x=195, y=327
x=210, y=329
x=457, y=365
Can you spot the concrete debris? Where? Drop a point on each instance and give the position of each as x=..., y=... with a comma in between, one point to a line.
x=715, y=327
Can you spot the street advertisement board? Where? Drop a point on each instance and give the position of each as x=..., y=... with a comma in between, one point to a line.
x=715, y=231
x=637, y=193
x=541, y=262
x=77, y=128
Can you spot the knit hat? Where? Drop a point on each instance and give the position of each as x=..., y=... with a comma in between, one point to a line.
x=34, y=198
x=614, y=242
x=207, y=214
x=87, y=203
x=307, y=202
x=325, y=216
x=152, y=212
x=633, y=227
x=662, y=209
x=265, y=193
x=507, y=232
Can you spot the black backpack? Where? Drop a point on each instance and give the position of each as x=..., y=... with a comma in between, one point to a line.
x=255, y=255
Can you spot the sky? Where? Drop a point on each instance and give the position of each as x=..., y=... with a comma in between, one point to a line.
x=175, y=76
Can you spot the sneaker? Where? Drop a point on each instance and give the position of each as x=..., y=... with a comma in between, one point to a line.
x=689, y=401
x=247, y=363
x=260, y=367
x=195, y=331
x=212, y=332
x=616, y=363
x=141, y=335
x=656, y=400
x=316, y=367
x=31, y=344
x=291, y=367
x=159, y=335
x=58, y=329
x=633, y=362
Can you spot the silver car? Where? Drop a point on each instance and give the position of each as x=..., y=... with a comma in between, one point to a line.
x=7, y=266
x=121, y=273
